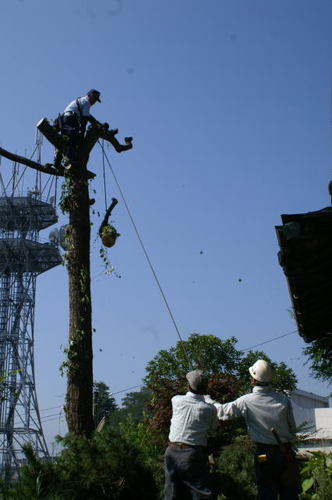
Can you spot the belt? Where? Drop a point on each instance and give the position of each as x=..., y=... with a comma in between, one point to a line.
x=182, y=446
x=271, y=446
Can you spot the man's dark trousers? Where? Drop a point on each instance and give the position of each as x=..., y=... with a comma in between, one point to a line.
x=187, y=474
x=276, y=476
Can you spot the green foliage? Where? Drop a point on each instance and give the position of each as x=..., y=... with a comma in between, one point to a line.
x=109, y=229
x=317, y=477
x=107, y=466
x=104, y=403
x=214, y=356
x=103, y=253
x=66, y=194
x=206, y=352
x=228, y=373
x=36, y=480
x=221, y=388
x=319, y=355
x=134, y=406
x=235, y=470
x=151, y=445
x=71, y=353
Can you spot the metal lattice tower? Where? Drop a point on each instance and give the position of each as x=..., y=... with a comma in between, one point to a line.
x=22, y=259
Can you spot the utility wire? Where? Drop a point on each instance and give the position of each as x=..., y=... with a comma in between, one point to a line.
x=51, y=408
x=146, y=255
x=142, y=385
x=270, y=340
x=128, y=389
x=49, y=416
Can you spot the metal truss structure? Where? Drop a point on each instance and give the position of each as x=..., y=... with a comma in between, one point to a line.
x=22, y=259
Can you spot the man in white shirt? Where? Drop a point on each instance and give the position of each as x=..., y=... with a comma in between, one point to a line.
x=186, y=457
x=263, y=410
x=73, y=124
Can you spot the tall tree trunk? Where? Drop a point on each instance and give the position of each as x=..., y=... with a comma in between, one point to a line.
x=79, y=402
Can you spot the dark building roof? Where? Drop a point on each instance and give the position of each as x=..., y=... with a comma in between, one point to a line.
x=305, y=255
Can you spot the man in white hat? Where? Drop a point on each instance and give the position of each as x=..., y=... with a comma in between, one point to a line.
x=271, y=426
x=186, y=457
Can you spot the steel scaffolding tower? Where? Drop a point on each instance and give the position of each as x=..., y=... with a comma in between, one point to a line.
x=22, y=259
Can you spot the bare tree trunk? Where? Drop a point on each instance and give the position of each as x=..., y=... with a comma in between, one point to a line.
x=79, y=401
x=79, y=408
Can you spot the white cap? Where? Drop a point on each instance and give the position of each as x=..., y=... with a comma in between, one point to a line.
x=261, y=371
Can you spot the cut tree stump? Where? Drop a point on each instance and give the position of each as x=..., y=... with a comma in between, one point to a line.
x=50, y=133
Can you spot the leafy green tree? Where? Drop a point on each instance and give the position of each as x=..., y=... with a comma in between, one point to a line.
x=206, y=352
x=228, y=372
x=104, y=403
x=135, y=403
x=216, y=357
x=134, y=407
x=319, y=354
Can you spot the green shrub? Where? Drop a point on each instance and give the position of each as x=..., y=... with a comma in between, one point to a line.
x=316, y=477
x=152, y=447
x=103, y=467
x=236, y=472
x=37, y=480
x=106, y=466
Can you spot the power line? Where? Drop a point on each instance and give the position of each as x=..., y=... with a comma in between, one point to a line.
x=128, y=389
x=51, y=408
x=45, y=417
x=52, y=417
x=243, y=350
x=142, y=385
x=270, y=340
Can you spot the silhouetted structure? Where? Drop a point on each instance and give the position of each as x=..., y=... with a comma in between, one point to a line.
x=22, y=259
x=306, y=257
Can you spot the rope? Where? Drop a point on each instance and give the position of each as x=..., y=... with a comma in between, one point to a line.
x=147, y=256
x=104, y=177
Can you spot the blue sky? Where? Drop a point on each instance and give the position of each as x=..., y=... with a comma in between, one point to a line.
x=229, y=103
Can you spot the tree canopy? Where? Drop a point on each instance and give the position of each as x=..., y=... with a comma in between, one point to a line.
x=104, y=402
x=319, y=355
x=215, y=356
x=134, y=407
x=229, y=378
x=206, y=352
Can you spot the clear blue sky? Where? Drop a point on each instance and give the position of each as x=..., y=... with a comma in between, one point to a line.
x=229, y=104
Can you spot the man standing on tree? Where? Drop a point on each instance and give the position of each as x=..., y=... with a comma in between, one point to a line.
x=186, y=457
x=73, y=123
x=271, y=426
